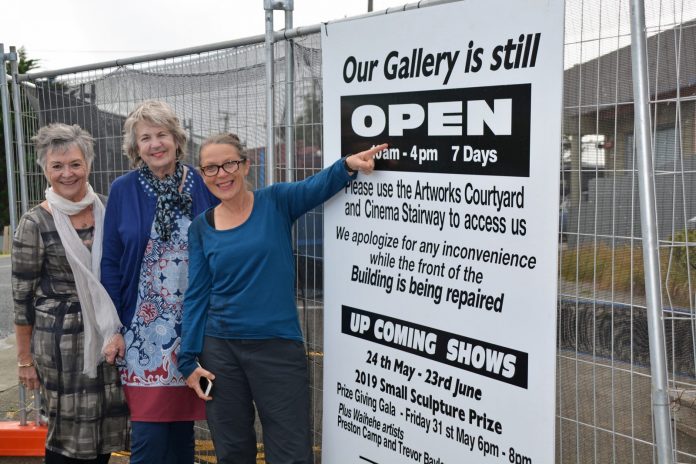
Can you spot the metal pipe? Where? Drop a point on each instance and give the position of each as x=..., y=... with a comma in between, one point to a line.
x=270, y=139
x=9, y=156
x=648, y=223
x=19, y=135
x=252, y=40
x=37, y=407
x=22, y=405
x=289, y=102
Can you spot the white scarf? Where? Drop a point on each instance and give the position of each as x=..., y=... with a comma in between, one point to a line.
x=99, y=316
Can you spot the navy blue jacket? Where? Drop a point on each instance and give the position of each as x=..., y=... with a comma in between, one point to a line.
x=127, y=226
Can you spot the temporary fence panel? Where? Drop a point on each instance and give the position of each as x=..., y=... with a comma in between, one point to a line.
x=211, y=92
x=603, y=359
x=603, y=376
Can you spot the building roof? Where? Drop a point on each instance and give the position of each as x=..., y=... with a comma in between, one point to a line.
x=607, y=80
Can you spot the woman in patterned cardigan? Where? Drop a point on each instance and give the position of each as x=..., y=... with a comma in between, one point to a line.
x=145, y=269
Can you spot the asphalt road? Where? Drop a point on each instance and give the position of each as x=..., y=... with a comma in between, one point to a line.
x=9, y=396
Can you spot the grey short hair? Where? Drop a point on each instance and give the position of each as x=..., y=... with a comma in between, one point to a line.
x=156, y=113
x=60, y=137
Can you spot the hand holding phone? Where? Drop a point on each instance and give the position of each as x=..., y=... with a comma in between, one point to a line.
x=201, y=381
x=206, y=385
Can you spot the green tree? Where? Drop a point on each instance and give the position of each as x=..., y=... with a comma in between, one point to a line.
x=25, y=65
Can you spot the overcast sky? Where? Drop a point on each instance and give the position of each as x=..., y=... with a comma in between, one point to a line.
x=75, y=32
x=64, y=33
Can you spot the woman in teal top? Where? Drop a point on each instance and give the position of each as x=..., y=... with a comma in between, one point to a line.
x=240, y=318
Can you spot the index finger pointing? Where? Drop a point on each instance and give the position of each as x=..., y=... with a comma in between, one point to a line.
x=374, y=150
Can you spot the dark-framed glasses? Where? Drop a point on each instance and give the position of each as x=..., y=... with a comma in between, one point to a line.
x=229, y=167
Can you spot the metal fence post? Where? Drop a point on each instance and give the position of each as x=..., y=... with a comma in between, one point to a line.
x=9, y=157
x=22, y=405
x=270, y=139
x=269, y=6
x=19, y=135
x=289, y=100
x=648, y=223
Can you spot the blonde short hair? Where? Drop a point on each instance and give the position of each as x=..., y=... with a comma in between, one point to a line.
x=156, y=113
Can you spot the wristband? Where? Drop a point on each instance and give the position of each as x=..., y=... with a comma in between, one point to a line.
x=29, y=364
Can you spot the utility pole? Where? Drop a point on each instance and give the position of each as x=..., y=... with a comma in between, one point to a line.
x=226, y=119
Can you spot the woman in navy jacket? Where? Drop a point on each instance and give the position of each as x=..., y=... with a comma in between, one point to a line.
x=145, y=271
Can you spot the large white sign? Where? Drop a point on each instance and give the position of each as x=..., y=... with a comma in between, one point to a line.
x=441, y=267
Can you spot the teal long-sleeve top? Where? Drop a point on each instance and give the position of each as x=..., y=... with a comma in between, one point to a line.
x=242, y=280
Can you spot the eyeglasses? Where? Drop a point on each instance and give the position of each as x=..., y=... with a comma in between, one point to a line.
x=229, y=167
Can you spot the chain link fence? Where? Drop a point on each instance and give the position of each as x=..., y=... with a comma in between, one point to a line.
x=604, y=411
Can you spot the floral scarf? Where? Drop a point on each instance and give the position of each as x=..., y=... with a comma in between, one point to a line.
x=169, y=199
